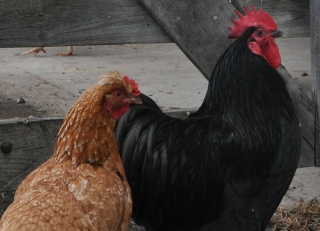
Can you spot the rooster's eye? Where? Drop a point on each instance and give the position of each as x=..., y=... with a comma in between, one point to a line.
x=259, y=33
x=118, y=94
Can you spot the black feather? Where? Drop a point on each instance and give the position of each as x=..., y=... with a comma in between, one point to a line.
x=228, y=165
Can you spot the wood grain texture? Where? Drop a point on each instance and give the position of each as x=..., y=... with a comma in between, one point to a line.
x=33, y=142
x=315, y=70
x=291, y=16
x=57, y=22
x=96, y=22
x=304, y=109
x=199, y=28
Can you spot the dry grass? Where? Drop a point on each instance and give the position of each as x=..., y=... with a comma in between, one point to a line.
x=305, y=217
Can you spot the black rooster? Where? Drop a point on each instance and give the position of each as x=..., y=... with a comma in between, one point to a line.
x=229, y=164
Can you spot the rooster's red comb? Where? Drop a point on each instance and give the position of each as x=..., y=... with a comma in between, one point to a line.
x=254, y=18
x=134, y=84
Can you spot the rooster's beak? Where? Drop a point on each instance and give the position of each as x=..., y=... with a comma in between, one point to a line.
x=277, y=33
x=135, y=100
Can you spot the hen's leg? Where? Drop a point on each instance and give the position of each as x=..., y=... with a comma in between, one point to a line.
x=68, y=53
x=34, y=51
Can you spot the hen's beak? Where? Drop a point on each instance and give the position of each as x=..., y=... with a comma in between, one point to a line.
x=277, y=33
x=135, y=100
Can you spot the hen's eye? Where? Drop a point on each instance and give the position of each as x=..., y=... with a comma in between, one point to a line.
x=259, y=33
x=118, y=94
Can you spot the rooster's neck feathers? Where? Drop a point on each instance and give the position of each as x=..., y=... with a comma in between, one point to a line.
x=87, y=131
x=245, y=89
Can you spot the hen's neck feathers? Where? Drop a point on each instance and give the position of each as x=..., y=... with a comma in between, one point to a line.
x=87, y=133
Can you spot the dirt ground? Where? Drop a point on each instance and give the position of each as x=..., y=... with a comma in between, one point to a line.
x=49, y=84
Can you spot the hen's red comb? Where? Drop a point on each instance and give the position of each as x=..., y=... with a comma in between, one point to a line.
x=134, y=84
x=254, y=18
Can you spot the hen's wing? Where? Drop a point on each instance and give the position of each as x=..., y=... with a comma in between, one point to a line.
x=44, y=202
x=67, y=198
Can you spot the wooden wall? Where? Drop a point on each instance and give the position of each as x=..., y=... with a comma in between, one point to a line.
x=59, y=23
x=32, y=143
x=81, y=22
x=315, y=69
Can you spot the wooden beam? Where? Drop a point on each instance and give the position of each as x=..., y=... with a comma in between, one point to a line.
x=32, y=142
x=81, y=22
x=97, y=22
x=315, y=70
x=304, y=109
x=199, y=28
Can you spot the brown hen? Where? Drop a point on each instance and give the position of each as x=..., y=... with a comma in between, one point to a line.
x=83, y=185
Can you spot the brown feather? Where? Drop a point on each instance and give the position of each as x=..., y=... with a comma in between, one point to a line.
x=83, y=185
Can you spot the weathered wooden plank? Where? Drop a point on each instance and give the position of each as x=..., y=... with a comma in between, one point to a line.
x=81, y=22
x=292, y=16
x=304, y=109
x=315, y=69
x=32, y=143
x=200, y=29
